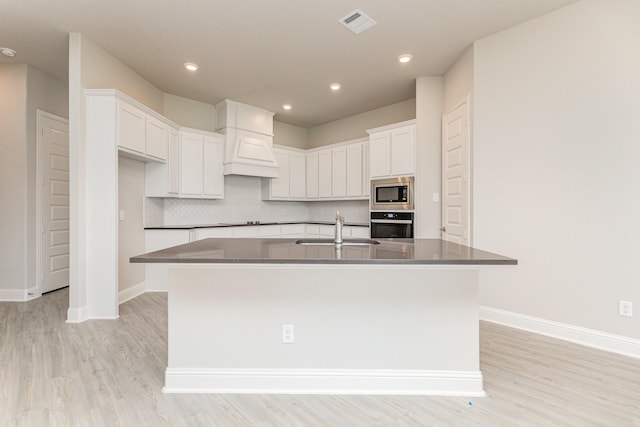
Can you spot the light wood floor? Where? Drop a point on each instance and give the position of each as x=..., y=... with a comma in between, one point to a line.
x=110, y=373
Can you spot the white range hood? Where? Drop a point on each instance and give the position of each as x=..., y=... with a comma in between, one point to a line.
x=249, y=139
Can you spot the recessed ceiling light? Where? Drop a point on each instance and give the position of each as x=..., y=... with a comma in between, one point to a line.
x=335, y=86
x=191, y=66
x=8, y=52
x=405, y=58
x=287, y=106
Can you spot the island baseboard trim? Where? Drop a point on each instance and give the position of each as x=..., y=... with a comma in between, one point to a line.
x=132, y=292
x=320, y=381
x=576, y=334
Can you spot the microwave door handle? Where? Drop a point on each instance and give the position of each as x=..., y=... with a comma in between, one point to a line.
x=392, y=221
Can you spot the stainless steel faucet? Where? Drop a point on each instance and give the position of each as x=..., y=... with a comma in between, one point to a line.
x=339, y=224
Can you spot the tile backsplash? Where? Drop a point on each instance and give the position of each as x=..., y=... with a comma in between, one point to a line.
x=243, y=202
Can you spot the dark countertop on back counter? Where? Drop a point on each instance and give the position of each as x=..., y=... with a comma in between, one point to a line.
x=239, y=224
x=287, y=251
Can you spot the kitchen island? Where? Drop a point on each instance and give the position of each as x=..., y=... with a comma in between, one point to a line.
x=276, y=316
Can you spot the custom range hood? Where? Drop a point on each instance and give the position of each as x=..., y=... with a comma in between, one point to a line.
x=248, y=146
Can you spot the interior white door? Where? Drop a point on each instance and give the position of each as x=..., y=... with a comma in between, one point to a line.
x=53, y=135
x=455, y=175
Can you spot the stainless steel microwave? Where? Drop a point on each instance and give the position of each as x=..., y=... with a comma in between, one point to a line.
x=392, y=194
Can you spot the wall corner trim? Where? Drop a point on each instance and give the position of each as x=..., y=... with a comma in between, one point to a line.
x=77, y=315
x=576, y=334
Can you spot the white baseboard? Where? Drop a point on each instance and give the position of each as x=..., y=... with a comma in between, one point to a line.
x=321, y=381
x=15, y=295
x=77, y=315
x=132, y=292
x=576, y=334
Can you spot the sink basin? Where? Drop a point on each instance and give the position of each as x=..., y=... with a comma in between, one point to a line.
x=345, y=242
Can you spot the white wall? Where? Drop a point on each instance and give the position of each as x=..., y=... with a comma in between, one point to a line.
x=131, y=179
x=24, y=89
x=290, y=135
x=91, y=67
x=355, y=127
x=429, y=92
x=242, y=202
x=556, y=150
x=189, y=113
x=458, y=81
x=13, y=191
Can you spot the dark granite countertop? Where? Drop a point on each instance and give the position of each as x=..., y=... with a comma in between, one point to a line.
x=239, y=224
x=286, y=251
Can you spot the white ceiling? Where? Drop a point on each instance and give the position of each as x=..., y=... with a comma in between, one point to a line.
x=266, y=53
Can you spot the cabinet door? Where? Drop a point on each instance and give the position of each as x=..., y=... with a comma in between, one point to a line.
x=191, y=164
x=280, y=185
x=403, y=151
x=366, y=176
x=131, y=128
x=324, y=173
x=312, y=175
x=173, y=161
x=213, y=174
x=157, y=138
x=297, y=175
x=339, y=172
x=379, y=152
x=354, y=170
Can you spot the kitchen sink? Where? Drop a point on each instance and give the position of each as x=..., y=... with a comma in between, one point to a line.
x=345, y=242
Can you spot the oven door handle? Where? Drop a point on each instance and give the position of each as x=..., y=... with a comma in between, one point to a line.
x=392, y=221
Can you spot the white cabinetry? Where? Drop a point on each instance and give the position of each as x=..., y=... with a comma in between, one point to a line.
x=354, y=170
x=324, y=174
x=290, y=185
x=140, y=134
x=366, y=188
x=194, y=167
x=392, y=150
x=201, y=156
x=312, y=175
x=339, y=172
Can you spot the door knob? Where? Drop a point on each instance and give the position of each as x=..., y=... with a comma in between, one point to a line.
x=443, y=229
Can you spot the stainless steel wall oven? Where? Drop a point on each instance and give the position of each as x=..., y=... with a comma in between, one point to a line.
x=392, y=225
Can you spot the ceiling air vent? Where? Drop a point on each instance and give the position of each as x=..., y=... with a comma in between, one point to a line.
x=357, y=21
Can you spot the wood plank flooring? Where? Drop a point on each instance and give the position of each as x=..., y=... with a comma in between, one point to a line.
x=110, y=373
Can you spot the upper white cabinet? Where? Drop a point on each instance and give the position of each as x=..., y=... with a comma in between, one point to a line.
x=201, y=171
x=140, y=133
x=194, y=167
x=392, y=150
x=324, y=174
x=312, y=174
x=298, y=175
x=291, y=184
x=339, y=172
x=335, y=172
x=354, y=167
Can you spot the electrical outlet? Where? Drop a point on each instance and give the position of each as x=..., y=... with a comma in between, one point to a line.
x=626, y=308
x=287, y=334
